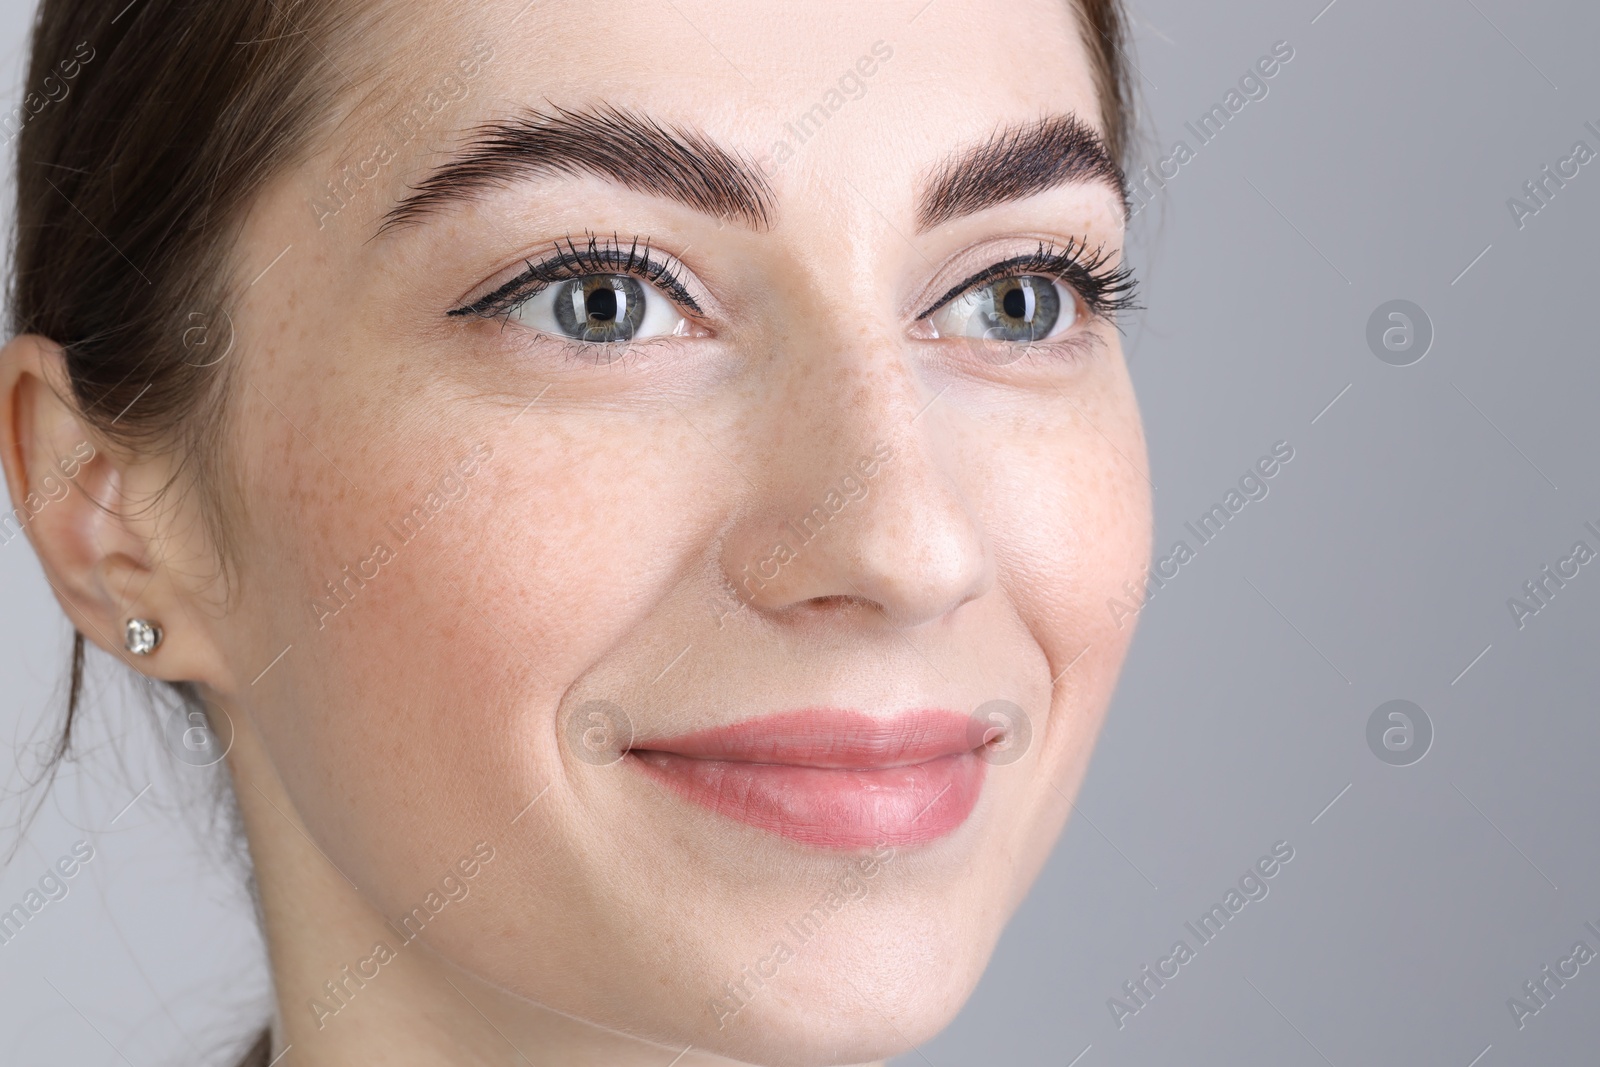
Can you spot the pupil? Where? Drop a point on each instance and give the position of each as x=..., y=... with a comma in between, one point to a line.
x=1015, y=303
x=600, y=308
x=601, y=304
x=1023, y=308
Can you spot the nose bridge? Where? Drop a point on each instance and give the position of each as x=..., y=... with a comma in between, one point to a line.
x=862, y=504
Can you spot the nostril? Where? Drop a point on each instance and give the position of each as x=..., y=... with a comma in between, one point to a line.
x=842, y=602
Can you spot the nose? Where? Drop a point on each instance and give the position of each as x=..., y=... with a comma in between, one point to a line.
x=864, y=506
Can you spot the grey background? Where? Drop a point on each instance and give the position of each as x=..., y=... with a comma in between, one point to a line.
x=1377, y=568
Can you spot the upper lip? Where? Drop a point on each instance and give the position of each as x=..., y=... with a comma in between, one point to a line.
x=828, y=737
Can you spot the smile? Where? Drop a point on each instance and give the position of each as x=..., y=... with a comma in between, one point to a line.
x=827, y=777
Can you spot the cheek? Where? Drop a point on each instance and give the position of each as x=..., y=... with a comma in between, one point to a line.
x=1067, y=506
x=440, y=675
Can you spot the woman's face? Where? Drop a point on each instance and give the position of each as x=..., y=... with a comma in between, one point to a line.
x=678, y=587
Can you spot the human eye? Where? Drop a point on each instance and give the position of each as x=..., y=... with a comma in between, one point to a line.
x=598, y=292
x=1039, y=297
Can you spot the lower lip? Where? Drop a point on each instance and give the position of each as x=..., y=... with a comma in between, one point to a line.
x=828, y=807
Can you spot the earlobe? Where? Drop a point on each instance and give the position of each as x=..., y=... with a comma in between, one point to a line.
x=141, y=636
x=99, y=546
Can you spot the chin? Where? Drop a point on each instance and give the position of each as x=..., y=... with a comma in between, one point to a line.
x=884, y=974
x=862, y=1004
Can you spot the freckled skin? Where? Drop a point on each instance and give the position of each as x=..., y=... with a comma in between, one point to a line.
x=618, y=505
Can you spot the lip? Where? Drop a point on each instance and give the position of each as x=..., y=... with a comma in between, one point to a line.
x=828, y=777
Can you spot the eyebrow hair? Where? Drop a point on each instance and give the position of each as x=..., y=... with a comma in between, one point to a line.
x=1016, y=162
x=612, y=142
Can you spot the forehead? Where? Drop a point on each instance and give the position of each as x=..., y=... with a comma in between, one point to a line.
x=842, y=77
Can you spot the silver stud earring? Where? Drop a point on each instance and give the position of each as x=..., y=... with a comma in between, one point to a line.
x=141, y=636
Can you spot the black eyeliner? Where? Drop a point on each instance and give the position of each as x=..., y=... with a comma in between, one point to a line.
x=577, y=262
x=1106, y=289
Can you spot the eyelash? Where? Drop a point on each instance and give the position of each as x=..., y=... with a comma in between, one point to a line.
x=1104, y=287
x=597, y=256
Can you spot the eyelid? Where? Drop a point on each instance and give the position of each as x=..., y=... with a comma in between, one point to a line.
x=993, y=272
x=1104, y=283
x=598, y=256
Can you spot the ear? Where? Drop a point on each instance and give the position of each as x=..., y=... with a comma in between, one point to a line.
x=90, y=512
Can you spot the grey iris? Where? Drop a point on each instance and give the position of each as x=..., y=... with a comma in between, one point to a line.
x=600, y=307
x=1026, y=308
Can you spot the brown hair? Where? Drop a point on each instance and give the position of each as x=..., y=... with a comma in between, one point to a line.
x=1105, y=33
x=148, y=131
